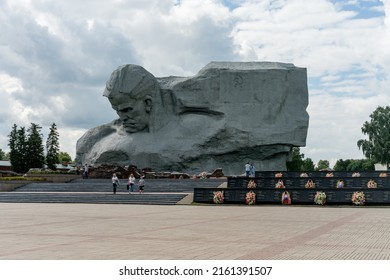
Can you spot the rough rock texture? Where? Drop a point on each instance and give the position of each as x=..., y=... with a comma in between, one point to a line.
x=228, y=114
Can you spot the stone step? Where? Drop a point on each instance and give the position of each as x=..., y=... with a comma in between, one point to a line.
x=108, y=198
x=105, y=185
x=157, y=191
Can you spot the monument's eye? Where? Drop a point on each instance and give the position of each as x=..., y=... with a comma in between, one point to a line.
x=126, y=110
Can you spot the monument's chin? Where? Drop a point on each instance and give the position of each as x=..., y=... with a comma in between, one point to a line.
x=130, y=128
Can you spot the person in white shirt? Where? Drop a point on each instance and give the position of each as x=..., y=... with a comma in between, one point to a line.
x=141, y=184
x=115, y=183
x=131, y=183
x=247, y=169
x=252, y=171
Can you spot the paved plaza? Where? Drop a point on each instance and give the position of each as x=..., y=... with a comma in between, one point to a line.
x=58, y=231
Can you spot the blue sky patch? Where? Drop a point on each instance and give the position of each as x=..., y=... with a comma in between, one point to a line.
x=364, y=9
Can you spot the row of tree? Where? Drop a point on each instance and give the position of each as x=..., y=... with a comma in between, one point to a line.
x=300, y=163
x=27, y=149
x=376, y=148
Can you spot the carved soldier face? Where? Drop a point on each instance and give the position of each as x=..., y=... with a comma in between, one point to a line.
x=130, y=90
x=133, y=112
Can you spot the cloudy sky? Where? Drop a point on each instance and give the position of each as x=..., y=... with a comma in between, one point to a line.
x=55, y=57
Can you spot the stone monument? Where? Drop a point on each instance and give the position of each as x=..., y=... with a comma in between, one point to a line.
x=228, y=114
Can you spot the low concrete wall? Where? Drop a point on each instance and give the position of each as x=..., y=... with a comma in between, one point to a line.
x=7, y=186
x=54, y=178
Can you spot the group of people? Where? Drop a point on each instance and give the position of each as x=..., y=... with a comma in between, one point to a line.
x=250, y=170
x=130, y=183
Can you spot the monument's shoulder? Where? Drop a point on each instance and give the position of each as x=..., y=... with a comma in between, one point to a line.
x=170, y=82
x=249, y=65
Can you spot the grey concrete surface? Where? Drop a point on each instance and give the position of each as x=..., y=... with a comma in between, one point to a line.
x=32, y=231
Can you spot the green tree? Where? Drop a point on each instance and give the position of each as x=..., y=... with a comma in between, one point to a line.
x=52, y=148
x=21, y=146
x=35, y=150
x=12, y=143
x=2, y=155
x=360, y=165
x=354, y=165
x=341, y=165
x=377, y=147
x=64, y=157
x=18, y=149
x=368, y=165
x=308, y=165
x=322, y=164
x=296, y=161
x=26, y=151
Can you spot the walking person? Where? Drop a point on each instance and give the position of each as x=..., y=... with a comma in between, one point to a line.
x=131, y=183
x=247, y=169
x=141, y=184
x=115, y=183
x=252, y=171
x=85, y=173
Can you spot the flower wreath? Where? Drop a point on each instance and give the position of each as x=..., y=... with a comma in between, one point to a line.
x=358, y=198
x=250, y=198
x=310, y=184
x=279, y=175
x=279, y=184
x=251, y=184
x=286, y=198
x=371, y=184
x=203, y=175
x=218, y=197
x=320, y=198
x=340, y=184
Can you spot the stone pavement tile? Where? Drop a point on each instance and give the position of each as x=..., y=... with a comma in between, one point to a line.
x=80, y=231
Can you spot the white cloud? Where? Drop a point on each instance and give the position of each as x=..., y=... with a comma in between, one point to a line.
x=10, y=84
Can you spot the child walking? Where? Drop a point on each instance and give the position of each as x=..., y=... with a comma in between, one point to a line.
x=141, y=184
